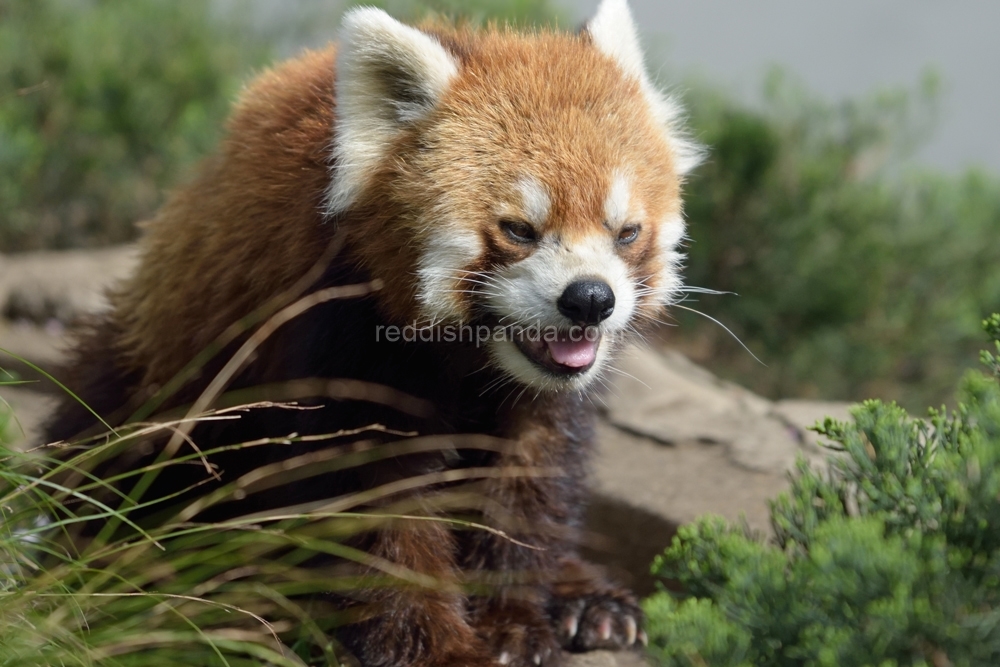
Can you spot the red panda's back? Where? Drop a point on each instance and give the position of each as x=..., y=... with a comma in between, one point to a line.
x=247, y=227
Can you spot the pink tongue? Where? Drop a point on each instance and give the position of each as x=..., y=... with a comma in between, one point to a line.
x=575, y=354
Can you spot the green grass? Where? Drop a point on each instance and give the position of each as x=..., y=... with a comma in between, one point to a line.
x=179, y=593
x=174, y=591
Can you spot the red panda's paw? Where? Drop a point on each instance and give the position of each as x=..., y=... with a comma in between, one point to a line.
x=519, y=635
x=605, y=620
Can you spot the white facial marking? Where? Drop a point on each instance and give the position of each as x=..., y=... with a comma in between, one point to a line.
x=535, y=200
x=527, y=292
x=616, y=206
x=671, y=233
x=448, y=248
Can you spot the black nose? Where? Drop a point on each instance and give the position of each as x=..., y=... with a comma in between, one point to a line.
x=587, y=301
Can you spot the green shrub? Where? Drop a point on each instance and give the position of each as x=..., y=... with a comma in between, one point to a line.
x=103, y=105
x=890, y=558
x=854, y=279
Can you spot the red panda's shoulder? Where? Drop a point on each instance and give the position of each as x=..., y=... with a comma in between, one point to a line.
x=246, y=227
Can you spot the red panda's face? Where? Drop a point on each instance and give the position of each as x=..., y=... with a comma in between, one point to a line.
x=552, y=210
x=537, y=182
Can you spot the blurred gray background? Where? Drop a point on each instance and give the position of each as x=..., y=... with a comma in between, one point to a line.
x=843, y=49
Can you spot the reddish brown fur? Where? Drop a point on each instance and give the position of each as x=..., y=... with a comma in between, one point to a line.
x=580, y=88
x=248, y=227
x=251, y=225
x=258, y=202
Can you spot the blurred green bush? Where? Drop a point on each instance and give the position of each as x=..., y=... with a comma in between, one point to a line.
x=103, y=105
x=855, y=278
x=892, y=558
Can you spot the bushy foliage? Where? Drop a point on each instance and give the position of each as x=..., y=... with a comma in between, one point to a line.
x=102, y=106
x=106, y=104
x=892, y=557
x=855, y=278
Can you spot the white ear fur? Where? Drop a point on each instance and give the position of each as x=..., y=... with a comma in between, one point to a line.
x=388, y=75
x=614, y=34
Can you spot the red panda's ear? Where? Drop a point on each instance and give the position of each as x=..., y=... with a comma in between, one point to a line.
x=388, y=75
x=613, y=32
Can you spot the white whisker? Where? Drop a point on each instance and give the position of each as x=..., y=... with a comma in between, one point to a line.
x=658, y=321
x=703, y=290
x=628, y=375
x=727, y=330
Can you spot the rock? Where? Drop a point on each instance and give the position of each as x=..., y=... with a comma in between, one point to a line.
x=42, y=346
x=606, y=659
x=29, y=409
x=675, y=443
x=669, y=402
x=29, y=403
x=643, y=490
x=60, y=286
x=660, y=395
x=40, y=295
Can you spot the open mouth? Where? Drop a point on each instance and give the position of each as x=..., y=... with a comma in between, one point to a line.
x=566, y=353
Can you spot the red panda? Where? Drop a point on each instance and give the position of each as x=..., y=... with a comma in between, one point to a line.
x=526, y=185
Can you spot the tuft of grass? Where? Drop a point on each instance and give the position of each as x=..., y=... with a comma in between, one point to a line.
x=178, y=593
x=175, y=591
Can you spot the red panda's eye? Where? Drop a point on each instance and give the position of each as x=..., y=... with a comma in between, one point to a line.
x=519, y=231
x=628, y=234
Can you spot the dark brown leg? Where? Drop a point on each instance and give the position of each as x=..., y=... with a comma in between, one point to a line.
x=415, y=623
x=567, y=603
